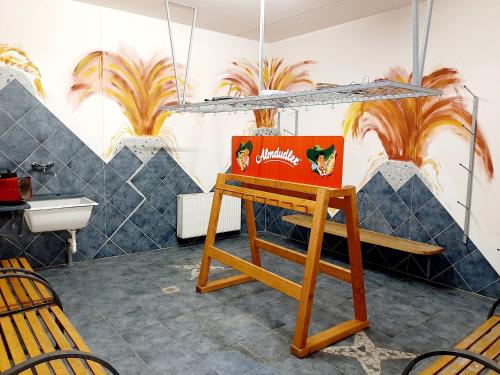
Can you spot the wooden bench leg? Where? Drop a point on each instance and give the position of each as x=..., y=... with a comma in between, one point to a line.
x=310, y=274
x=210, y=239
x=355, y=260
x=252, y=232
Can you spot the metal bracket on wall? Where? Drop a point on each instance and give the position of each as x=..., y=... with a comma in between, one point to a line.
x=470, y=168
x=172, y=49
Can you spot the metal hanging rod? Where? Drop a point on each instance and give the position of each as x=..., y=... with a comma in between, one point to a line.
x=172, y=49
x=420, y=52
x=261, y=44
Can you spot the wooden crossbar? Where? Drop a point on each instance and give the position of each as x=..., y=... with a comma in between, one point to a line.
x=286, y=286
x=302, y=198
x=324, y=267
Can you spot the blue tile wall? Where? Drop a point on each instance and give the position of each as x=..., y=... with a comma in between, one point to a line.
x=137, y=202
x=411, y=212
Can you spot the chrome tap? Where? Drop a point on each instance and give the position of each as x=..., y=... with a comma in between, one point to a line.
x=44, y=168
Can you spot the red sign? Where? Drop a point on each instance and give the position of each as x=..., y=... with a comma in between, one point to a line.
x=309, y=160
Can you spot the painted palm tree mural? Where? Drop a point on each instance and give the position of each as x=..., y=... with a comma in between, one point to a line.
x=406, y=127
x=242, y=79
x=139, y=87
x=16, y=58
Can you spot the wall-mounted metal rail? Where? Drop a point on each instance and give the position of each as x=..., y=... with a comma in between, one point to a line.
x=470, y=168
x=378, y=90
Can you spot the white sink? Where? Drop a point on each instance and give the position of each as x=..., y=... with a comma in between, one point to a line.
x=60, y=214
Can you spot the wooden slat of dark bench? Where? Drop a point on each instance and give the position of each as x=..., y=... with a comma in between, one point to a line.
x=481, y=346
x=369, y=236
x=76, y=338
x=44, y=330
x=24, y=264
x=44, y=341
x=12, y=342
x=490, y=325
x=18, y=293
x=30, y=343
x=61, y=341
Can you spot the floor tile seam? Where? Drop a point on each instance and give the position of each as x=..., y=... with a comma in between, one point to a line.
x=421, y=323
x=253, y=353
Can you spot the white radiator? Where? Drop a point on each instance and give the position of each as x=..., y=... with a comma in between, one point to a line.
x=193, y=212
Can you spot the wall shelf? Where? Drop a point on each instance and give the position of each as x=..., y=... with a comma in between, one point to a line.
x=378, y=90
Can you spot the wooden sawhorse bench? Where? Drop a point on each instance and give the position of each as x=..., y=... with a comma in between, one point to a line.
x=308, y=199
x=371, y=237
x=478, y=353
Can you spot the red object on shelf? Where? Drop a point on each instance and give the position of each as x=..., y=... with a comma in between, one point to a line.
x=13, y=188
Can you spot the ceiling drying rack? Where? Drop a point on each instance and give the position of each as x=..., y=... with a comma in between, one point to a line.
x=377, y=90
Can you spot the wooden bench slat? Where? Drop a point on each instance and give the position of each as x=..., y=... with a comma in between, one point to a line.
x=480, y=347
x=20, y=292
x=29, y=286
x=29, y=342
x=24, y=292
x=25, y=264
x=61, y=341
x=369, y=236
x=14, y=346
x=77, y=339
x=45, y=342
x=465, y=344
x=4, y=357
x=8, y=297
x=41, y=290
x=476, y=368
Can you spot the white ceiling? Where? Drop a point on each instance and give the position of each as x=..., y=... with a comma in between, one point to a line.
x=284, y=18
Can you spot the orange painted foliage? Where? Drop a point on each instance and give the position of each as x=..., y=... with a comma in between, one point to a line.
x=19, y=59
x=242, y=80
x=140, y=88
x=406, y=127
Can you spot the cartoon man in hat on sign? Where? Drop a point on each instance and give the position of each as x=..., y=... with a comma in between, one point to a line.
x=243, y=155
x=322, y=160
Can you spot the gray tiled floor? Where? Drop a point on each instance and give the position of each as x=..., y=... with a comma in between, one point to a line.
x=119, y=308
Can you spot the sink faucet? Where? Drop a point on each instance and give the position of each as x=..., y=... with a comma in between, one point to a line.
x=45, y=168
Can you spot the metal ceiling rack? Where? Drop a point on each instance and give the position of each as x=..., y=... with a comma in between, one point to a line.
x=330, y=95
x=379, y=90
